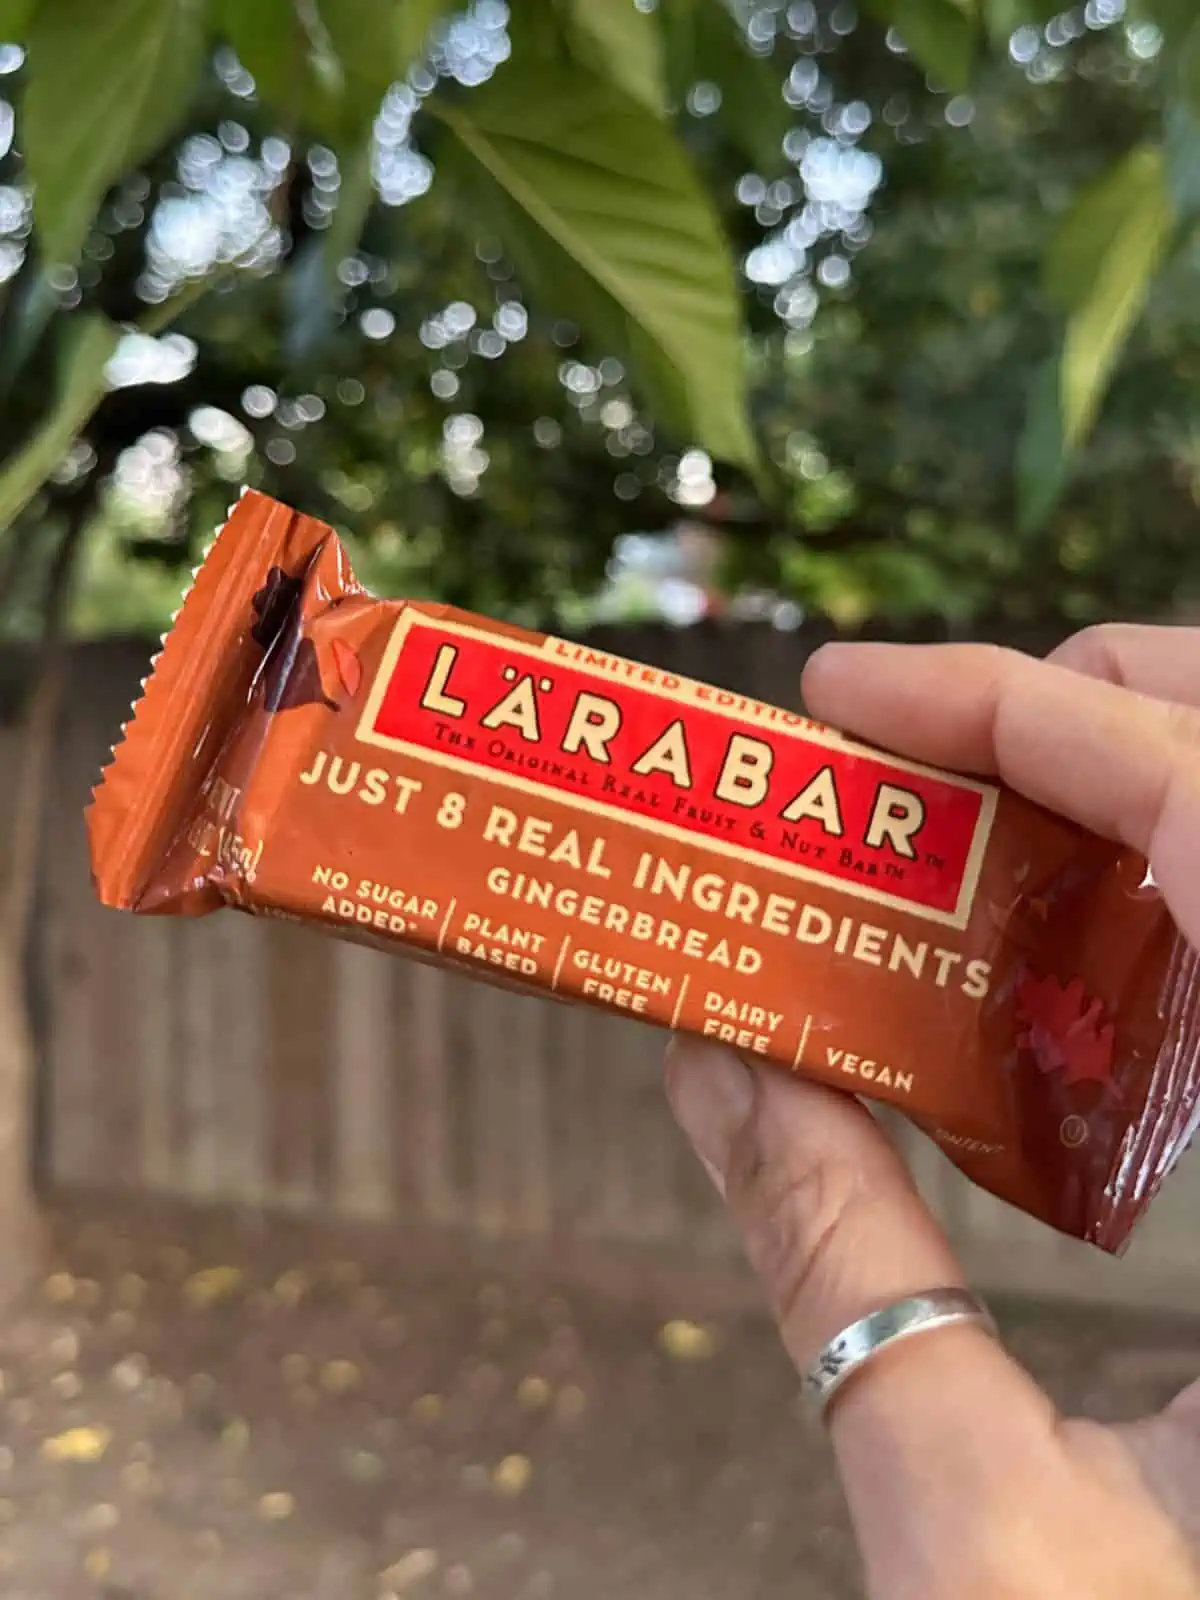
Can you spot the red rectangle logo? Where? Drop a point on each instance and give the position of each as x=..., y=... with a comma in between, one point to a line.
x=682, y=759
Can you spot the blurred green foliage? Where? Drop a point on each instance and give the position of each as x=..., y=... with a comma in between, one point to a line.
x=901, y=307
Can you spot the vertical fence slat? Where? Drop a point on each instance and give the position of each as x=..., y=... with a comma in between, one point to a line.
x=72, y=1063
x=527, y=1070
x=73, y=930
x=614, y=1210
x=425, y=1106
x=199, y=1058
x=365, y=1067
x=118, y=1000
x=299, y=1113
x=237, y=993
x=572, y=1128
x=153, y=956
x=491, y=1109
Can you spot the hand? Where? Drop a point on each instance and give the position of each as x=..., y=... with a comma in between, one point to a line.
x=962, y=1478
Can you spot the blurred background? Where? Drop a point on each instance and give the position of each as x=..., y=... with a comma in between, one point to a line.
x=710, y=328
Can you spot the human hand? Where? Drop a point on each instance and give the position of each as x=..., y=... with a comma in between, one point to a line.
x=962, y=1478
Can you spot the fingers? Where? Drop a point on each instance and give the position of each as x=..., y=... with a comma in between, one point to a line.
x=1122, y=764
x=1163, y=662
x=836, y=1229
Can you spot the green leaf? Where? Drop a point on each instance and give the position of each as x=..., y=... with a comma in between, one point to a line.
x=108, y=84
x=1076, y=254
x=941, y=36
x=621, y=43
x=91, y=341
x=707, y=45
x=15, y=17
x=1129, y=241
x=1042, y=461
x=597, y=204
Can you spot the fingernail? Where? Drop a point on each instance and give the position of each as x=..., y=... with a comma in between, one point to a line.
x=712, y=1094
x=840, y=665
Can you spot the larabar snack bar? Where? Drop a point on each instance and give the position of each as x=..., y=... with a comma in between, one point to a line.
x=561, y=819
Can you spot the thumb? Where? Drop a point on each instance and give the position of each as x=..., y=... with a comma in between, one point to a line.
x=831, y=1218
x=836, y=1229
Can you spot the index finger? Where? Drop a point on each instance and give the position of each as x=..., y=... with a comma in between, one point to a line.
x=1122, y=764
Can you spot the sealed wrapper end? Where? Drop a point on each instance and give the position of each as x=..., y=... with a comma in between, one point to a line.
x=555, y=817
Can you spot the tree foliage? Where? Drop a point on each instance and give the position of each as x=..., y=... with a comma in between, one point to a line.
x=883, y=273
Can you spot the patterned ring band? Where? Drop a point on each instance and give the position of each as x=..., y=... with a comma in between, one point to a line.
x=856, y=1345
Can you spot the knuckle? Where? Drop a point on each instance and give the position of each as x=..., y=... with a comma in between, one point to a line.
x=1099, y=650
x=1089, y=647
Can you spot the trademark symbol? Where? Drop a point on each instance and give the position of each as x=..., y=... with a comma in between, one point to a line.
x=1074, y=1132
x=938, y=863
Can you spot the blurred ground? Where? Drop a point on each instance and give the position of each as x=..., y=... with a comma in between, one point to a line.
x=191, y=1411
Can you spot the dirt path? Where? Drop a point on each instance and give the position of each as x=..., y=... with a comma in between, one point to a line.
x=191, y=1416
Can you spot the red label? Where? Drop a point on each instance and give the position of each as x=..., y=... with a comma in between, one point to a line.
x=615, y=738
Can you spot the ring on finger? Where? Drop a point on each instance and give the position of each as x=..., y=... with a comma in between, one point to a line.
x=857, y=1345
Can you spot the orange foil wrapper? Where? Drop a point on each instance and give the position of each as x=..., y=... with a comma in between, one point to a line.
x=560, y=819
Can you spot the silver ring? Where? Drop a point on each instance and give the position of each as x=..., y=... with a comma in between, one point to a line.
x=904, y=1319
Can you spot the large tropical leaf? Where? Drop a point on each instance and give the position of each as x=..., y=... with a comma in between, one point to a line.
x=1108, y=249
x=90, y=342
x=108, y=83
x=601, y=210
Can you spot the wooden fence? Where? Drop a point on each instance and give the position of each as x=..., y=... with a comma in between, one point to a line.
x=232, y=1061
